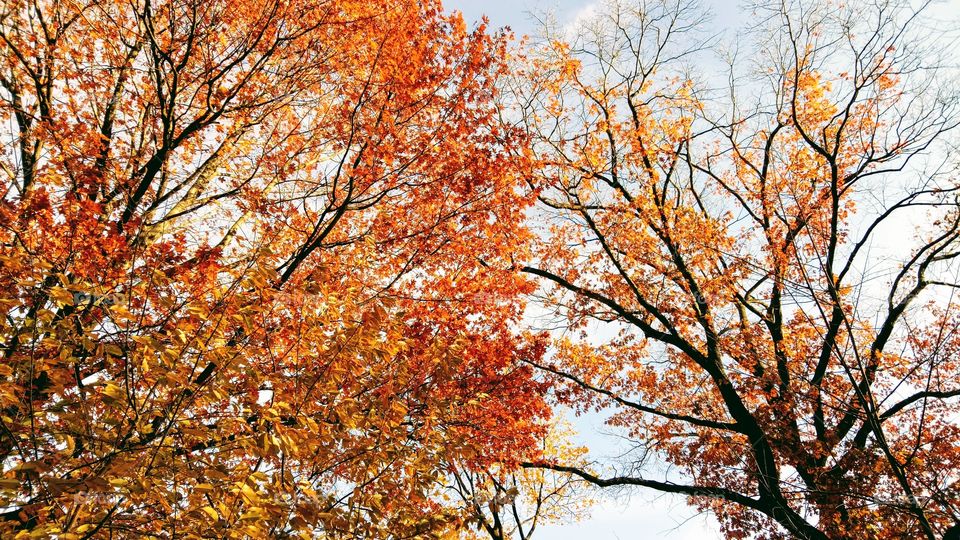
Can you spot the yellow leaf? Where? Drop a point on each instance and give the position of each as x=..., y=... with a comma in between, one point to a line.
x=210, y=511
x=61, y=295
x=248, y=493
x=113, y=391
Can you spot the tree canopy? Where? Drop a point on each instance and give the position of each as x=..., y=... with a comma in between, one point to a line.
x=338, y=269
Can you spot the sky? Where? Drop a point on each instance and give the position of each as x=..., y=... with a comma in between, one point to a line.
x=626, y=514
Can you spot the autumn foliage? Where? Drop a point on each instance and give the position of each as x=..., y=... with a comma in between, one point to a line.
x=248, y=269
x=266, y=269
x=724, y=246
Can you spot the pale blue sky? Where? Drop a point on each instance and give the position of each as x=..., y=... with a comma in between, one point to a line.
x=514, y=13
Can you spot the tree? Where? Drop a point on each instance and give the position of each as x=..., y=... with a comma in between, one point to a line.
x=504, y=502
x=249, y=269
x=729, y=247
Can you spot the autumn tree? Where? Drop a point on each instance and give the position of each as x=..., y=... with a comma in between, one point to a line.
x=504, y=502
x=254, y=269
x=760, y=260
